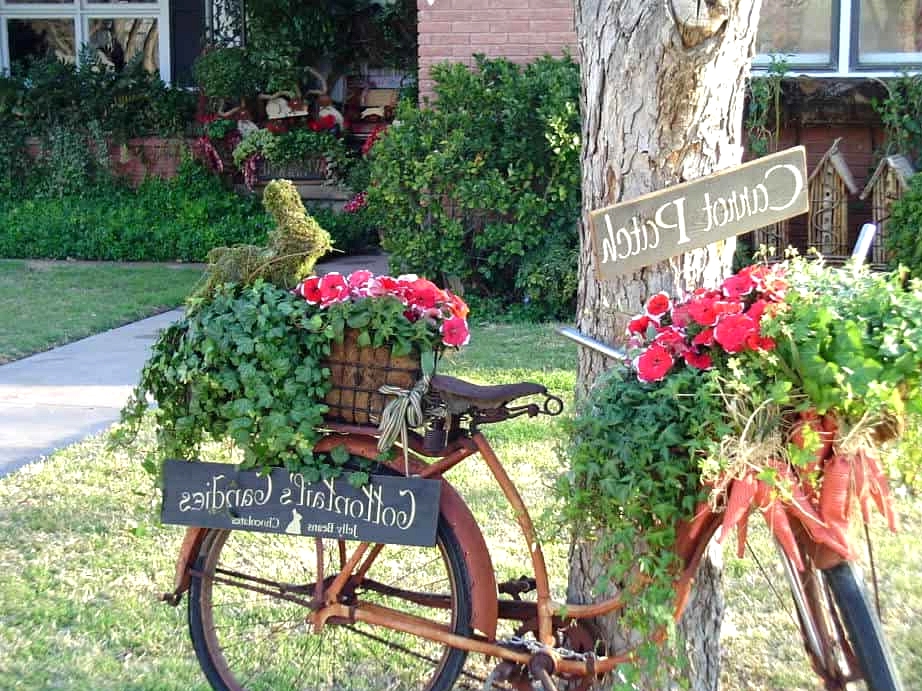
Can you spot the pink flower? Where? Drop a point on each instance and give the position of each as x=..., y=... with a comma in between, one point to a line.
x=756, y=309
x=359, y=281
x=309, y=289
x=732, y=331
x=657, y=306
x=653, y=364
x=680, y=316
x=333, y=288
x=697, y=360
x=455, y=332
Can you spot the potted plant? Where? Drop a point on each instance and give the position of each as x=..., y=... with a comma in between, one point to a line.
x=771, y=393
x=258, y=366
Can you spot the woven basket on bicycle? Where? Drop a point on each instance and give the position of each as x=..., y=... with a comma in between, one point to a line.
x=356, y=374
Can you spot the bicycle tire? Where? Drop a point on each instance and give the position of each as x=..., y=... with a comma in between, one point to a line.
x=863, y=628
x=247, y=641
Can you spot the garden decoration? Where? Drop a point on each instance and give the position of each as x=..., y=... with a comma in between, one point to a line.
x=294, y=246
x=411, y=614
x=268, y=368
x=771, y=393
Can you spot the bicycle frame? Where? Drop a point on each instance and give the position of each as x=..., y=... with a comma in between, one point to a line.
x=487, y=609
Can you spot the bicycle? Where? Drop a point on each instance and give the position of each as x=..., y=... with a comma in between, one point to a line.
x=276, y=611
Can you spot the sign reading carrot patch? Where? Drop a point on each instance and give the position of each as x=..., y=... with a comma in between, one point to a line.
x=634, y=234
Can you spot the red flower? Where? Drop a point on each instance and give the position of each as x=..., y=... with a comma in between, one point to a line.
x=310, y=289
x=423, y=294
x=732, y=331
x=333, y=288
x=723, y=307
x=697, y=360
x=702, y=311
x=672, y=338
x=277, y=127
x=739, y=285
x=756, y=309
x=704, y=338
x=756, y=342
x=639, y=324
x=653, y=364
x=658, y=305
x=455, y=332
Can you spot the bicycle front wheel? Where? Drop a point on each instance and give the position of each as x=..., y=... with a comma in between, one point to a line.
x=249, y=615
x=863, y=628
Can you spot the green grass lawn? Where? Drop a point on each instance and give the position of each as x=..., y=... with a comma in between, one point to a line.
x=45, y=304
x=84, y=560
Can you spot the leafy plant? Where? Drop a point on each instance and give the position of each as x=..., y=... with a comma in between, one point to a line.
x=163, y=220
x=227, y=74
x=902, y=239
x=476, y=188
x=247, y=364
x=295, y=147
x=765, y=102
x=771, y=392
x=901, y=114
x=351, y=233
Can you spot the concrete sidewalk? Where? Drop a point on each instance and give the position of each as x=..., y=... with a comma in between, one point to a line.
x=55, y=398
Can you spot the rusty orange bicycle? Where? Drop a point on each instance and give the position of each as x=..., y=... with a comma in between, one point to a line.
x=292, y=612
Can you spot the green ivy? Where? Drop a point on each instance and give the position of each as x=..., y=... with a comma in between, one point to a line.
x=478, y=187
x=247, y=366
x=901, y=114
x=902, y=239
x=634, y=473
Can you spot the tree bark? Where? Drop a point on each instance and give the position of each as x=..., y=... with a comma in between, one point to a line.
x=663, y=86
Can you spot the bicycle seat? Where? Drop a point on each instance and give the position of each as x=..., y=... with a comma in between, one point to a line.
x=460, y=396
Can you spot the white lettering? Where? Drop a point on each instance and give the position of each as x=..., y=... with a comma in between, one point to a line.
x=798, y=184
x=679, y=219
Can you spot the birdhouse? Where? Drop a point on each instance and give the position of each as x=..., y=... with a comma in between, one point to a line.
x=888, y=184
x=829, y=186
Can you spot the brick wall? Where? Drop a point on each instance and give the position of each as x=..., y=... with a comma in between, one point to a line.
x=521, y=30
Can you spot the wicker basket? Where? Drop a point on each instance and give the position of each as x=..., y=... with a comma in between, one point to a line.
x=357, y=373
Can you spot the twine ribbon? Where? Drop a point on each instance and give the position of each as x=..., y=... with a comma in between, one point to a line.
x=405, y=411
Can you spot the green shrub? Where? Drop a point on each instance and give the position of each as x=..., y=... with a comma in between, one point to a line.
x=163, y=220
x=903, y=231
x=46, y=93
x=485, y=186
x=352, y=233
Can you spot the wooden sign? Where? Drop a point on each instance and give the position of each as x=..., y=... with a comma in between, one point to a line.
x=646, y=230
x=388, y=509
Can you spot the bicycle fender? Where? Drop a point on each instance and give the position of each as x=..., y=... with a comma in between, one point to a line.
x=484, y=597
x=188, y=551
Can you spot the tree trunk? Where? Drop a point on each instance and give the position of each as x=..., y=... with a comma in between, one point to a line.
x=663, y=86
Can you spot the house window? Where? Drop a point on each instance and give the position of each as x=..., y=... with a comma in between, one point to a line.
x=116, y=30
x=841, y=36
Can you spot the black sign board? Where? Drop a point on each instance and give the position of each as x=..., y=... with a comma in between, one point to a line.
x=388, y=509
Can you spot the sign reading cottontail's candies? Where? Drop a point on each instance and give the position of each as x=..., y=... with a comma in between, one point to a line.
x=387, y=509
x=646, y=230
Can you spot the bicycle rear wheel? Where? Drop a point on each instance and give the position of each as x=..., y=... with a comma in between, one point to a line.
x=863, y=627
x=249, y=617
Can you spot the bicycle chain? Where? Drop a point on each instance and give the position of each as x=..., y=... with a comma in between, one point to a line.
x=534, y=647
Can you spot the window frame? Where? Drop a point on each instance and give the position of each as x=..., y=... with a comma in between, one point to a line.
x=81, y=12
x=844, y=42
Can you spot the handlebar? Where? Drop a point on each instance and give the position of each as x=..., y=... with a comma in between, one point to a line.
x=598, y=346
